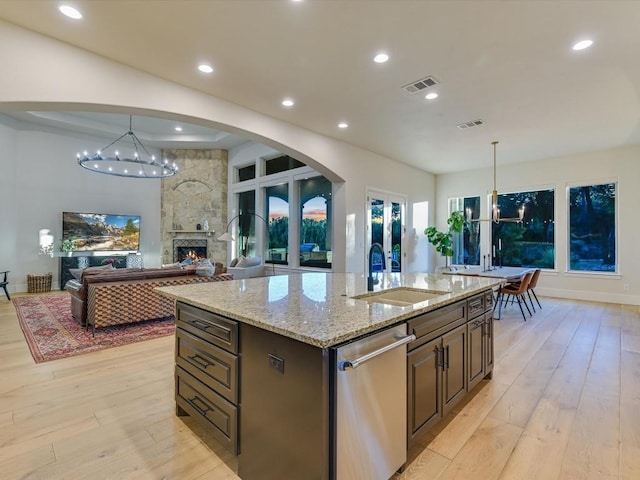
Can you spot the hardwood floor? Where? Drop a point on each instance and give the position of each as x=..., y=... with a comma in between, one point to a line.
x=564, y=403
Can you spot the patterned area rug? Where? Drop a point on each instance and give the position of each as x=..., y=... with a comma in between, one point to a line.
x=52, y=333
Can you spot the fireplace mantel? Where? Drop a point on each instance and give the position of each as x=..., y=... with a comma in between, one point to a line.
x=207, y=232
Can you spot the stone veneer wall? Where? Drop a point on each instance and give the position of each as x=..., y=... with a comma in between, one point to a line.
x=198, y=192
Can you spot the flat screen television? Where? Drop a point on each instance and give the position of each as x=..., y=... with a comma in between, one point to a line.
x=99, y=232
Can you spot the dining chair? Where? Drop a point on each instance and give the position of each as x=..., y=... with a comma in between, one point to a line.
x=532, y=286
x=517, y=292
x=4, y=282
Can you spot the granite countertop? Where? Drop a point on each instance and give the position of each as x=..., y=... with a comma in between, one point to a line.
x=317, y=308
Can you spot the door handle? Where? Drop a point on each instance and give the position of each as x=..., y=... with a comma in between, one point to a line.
x=359, y=361
x=446, y=357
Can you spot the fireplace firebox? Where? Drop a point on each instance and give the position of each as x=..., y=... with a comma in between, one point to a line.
x=193, y=249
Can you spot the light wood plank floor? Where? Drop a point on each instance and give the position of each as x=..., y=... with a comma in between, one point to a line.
x=564, y=403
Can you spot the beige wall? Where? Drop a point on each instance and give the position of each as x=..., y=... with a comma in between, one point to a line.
x=50, y=80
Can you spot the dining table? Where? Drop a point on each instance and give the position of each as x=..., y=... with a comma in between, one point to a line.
x=510, y=274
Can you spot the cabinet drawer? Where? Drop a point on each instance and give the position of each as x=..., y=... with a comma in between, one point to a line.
x=475, y=306
x=488, y=301
x=431, y=324
x=211, y=365
x=209, y=408
x=213, y=328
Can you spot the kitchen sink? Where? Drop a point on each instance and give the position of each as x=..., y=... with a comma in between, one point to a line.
x=401, y=297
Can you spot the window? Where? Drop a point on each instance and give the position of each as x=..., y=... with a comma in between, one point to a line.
x=592, y=228
x=247, y=173
x=529, y=243
x=315, y=218
x=466, y=245
x=281, y=164
x=296, y=205
x=246, y=244
x=277, y=205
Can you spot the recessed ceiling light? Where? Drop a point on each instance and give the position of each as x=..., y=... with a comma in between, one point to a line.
x=287, y=102
x=70, y=12
x=381, y=58
x=583, y=44
x=204, y=68
x=343, y=125
x=178, y=128
x=431, y=96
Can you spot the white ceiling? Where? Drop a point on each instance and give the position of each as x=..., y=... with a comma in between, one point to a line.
x=508, y=63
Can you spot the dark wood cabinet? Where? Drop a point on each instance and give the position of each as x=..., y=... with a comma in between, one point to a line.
x=452, y=353
x=454, y=360
x=424, y=387
x=476, y=357
x=207, y=372
x=436, y=379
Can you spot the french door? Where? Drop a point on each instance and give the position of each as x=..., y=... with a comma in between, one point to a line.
x=385, y=226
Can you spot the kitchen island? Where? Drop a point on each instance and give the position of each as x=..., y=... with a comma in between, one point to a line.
x=256, y=360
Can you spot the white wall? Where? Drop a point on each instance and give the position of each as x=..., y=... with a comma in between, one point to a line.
x=41, y=179
x=621, y=165
x=50, y=80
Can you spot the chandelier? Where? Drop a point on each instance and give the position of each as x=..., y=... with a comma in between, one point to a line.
x=142, y=165
x=495, y=211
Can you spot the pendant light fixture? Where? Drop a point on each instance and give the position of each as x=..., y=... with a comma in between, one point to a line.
x=140, y=165
x=495, y=210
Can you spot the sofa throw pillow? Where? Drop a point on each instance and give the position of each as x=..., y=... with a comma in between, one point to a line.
x=245, y=262
x=76, y=273
x=204, y=268
x=234, y=262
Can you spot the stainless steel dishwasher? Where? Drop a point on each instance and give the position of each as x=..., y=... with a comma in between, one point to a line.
x=371, y=405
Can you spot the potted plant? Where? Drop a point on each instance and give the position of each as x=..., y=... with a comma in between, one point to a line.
x=443, y=241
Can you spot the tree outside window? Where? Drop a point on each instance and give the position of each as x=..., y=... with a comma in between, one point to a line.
x=592, y=228
x=466, y=244
x=278, y=219
x=530, y=243
x=315, y=218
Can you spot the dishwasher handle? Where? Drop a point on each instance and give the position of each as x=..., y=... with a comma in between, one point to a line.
x=359, y=361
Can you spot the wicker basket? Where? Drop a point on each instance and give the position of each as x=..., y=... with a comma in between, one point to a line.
x=39, y=283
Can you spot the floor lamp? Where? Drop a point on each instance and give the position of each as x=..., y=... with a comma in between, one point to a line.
x=227, y=237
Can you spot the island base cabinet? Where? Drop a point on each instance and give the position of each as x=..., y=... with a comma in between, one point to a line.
x=477, y=353
x=452, y=353
x=194, y=398
x=424, y=388
x=435, y=380
x=284, y=412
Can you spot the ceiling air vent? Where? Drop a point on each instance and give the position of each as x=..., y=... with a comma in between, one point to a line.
x=419, y=85
x=473, y=123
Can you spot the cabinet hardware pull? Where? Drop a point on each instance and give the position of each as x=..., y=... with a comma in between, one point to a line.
x=200, y=324
x=200, y=361
x=440, y=358
x=216, y=328
x=203, y=411
x=446, y=362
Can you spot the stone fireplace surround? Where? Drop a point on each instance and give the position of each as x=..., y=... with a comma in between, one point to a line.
x=198, y=192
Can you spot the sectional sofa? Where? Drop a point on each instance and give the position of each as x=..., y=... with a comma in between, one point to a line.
x=103, y=298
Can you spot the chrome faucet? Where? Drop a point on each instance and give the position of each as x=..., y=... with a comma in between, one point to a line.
x=370, y=280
